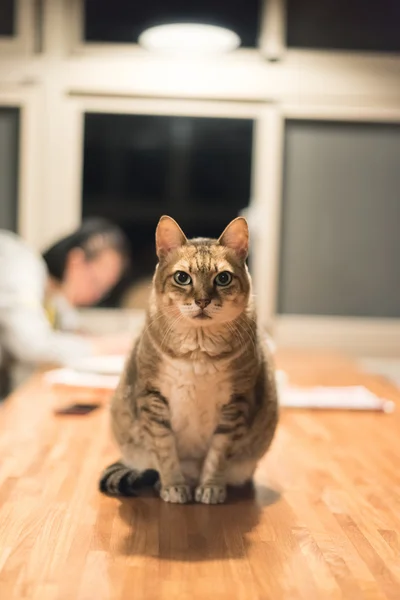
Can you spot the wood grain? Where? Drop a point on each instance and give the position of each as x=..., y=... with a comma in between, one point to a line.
x=323, y=521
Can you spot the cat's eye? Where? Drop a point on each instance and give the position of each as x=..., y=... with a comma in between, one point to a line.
x=223, y=279
x=182, y=278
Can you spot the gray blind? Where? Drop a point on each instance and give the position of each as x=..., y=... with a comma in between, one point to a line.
x=9, y=124
x=340, y=238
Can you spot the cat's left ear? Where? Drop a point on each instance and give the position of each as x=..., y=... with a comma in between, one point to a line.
x=169, y=236
x=236, y=237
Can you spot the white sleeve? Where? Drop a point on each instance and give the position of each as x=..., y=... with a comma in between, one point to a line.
x=27, y=336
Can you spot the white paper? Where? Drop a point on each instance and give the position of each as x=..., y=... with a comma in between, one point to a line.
x=73, y=378
x=103, y=365
x=328, y=398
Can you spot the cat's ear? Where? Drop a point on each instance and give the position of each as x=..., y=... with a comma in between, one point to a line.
x=169, y=236
x=236, y=237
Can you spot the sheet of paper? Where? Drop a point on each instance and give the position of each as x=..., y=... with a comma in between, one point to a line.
x=70, y=377
x=104, y=365
x=329, y=398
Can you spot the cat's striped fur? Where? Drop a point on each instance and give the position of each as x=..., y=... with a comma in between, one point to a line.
x=197, y=402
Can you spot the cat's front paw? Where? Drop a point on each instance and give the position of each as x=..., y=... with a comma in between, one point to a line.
x=177, y=494
x=211, y=494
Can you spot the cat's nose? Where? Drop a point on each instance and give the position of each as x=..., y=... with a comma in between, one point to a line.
x=203, y=302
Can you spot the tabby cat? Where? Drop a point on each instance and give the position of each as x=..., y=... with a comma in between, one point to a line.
x=197, y=403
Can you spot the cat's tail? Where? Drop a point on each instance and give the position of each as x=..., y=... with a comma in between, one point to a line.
x=120, y=480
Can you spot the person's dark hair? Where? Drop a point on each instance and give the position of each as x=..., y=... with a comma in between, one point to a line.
x=93, y=236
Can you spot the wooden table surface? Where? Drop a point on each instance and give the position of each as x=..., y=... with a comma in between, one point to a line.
x=323, y=521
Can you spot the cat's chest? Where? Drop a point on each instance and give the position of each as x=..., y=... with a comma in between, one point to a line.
x=195, y=392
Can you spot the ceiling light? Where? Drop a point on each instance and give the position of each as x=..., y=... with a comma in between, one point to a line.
x=182, y=38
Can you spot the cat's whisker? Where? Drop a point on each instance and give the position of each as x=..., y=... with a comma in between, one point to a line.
x=170, y=329
x=248, y=333
x=159, y=316
x=235, y=333
x=250, y=326
x=242, y=338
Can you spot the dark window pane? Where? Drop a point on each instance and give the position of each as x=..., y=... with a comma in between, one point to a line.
x=340, y=238
x=9, y=134
x=138, y=167
x=124, y=20
x=7, y=16
x=217, y=148
x=344, y=25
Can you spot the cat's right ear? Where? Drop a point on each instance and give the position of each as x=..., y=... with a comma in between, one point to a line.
x=236, y=237
x=169, y=236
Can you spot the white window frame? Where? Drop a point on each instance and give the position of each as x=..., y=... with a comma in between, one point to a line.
x=266, y=136
x=29, y=161
x=24, y=39
x=269, y=73
x=357, y=335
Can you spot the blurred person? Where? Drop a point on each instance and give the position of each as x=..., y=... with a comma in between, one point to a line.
x=39, y=323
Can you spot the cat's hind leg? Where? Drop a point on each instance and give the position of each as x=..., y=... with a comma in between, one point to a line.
x=240, y=473
x=119, y=480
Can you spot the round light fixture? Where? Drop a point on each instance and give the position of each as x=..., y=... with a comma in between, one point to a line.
x=193, y=38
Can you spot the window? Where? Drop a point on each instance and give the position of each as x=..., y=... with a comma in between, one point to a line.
x=124, y=20
x=9, y=124
x=343, y=25
x=7, y=18
x=340, y=220
x=138, y=167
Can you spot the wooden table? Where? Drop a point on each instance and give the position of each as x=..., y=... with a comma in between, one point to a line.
x=323, y=521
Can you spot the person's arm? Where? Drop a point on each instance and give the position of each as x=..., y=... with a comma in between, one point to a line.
x=28, y=337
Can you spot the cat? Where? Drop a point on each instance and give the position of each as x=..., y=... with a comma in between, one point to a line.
x=197, y=403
